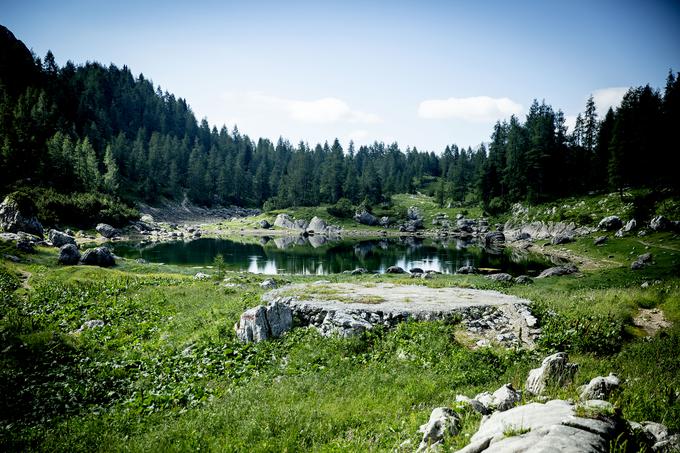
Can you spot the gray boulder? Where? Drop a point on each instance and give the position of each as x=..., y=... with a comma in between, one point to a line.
x=463, y=400
x=610, y=223
x=395, y=270
x=494, y=239
x=500, y=277
x=558, y=271
x=506, y=397
x=359, y=271
x=384, y=221
x=599, y=388
x=107, y=230
x=100, y=256
x=270, y=283
x=443, y=421
x=201, y=276
x=287, y=222
x=467, y=270
x=264, y=322
x=317, y=225
x=413, y=213
x=366, y=218
x=57, y=238
x=554, y=370
x=12, y=220
x=641, y=262
x=68, y=255
x=264, y=224
x=524, y=280
x=342, y=324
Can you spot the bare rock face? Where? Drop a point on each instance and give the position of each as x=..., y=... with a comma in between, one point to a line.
x=443, y=420
x=554, y=370
x=264, y=322
x=13, y=220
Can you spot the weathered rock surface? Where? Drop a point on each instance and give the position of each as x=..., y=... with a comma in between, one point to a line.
x=270, y=283
x=600, y=240
x=494, y=239
x=660, y=223
x=561, y=239
x=107, y=230
x=287, y=222
x=610, y=223
x=468, y=270
x=264, y=322
x=68, y=254
x=395, y=270
x=548, y=427
x=443, y=420
x=319, y=226
x=558, y=271
x=57, y=238
x=599, y=388
x=12, y=220
x=555, y=370
x=100, y=256
x=347, y=309
x=502, y=399
x=642, y=261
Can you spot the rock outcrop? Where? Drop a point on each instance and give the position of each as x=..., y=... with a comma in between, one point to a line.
x=13, y=220
x=555, y=370
x=287, y=222
x=264, y=322
x=514, y=230
x=365, y=218
x=610, y=223
x=443, y=421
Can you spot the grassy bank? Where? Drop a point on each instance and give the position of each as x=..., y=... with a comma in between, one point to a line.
x=166, y=373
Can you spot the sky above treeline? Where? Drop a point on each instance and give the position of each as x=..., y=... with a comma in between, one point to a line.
x=422, y=73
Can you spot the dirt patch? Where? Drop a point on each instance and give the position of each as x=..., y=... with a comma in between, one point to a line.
x=651, y=320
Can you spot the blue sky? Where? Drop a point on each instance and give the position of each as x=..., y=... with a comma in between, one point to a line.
x=424, y=74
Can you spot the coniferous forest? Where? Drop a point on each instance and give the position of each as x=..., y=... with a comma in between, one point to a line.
x=101, y=133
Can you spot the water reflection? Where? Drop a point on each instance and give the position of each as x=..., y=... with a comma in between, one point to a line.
x=320, y=255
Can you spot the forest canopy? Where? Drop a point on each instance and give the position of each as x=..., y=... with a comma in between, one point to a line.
x=91, y=129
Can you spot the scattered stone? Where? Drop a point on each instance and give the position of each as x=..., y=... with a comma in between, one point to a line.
x=201, y=276
x=599, y=388
x=500, y=277
x=264, y=322
x=68, y=255
x=26, y=245
x=92, y=324
x=416, y=270
x=395, y=270
x=558, y=271
x=100, y=256
x=359, y=271
x=268, y=284
x=627, y=228
x=57, y=238
x=600, y=240
x=468, y=270
x=610, y=223
x=264, y=224
x=554, y=370
x=12, y=220
x=107, y=230
x=641, y=261
x=524, y=280
x=443, y=421
x=473, y=403
x=502, y=399
x=141, y=261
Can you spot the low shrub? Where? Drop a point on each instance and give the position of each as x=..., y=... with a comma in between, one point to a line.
x=343, y=209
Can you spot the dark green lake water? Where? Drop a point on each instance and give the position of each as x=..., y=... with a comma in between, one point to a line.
x=293, y=255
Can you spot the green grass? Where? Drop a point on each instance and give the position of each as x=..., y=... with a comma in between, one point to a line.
x=166, y=372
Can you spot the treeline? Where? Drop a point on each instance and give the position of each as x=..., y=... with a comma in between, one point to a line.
x=100, y=130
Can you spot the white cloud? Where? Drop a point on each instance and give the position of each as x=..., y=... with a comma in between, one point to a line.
x=570, y=122
x=473, y=109
x=358, y=136
x=320, y=111
x=608, y=97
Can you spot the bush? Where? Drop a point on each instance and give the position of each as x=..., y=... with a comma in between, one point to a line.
x=496, y=206
x=343, y=209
